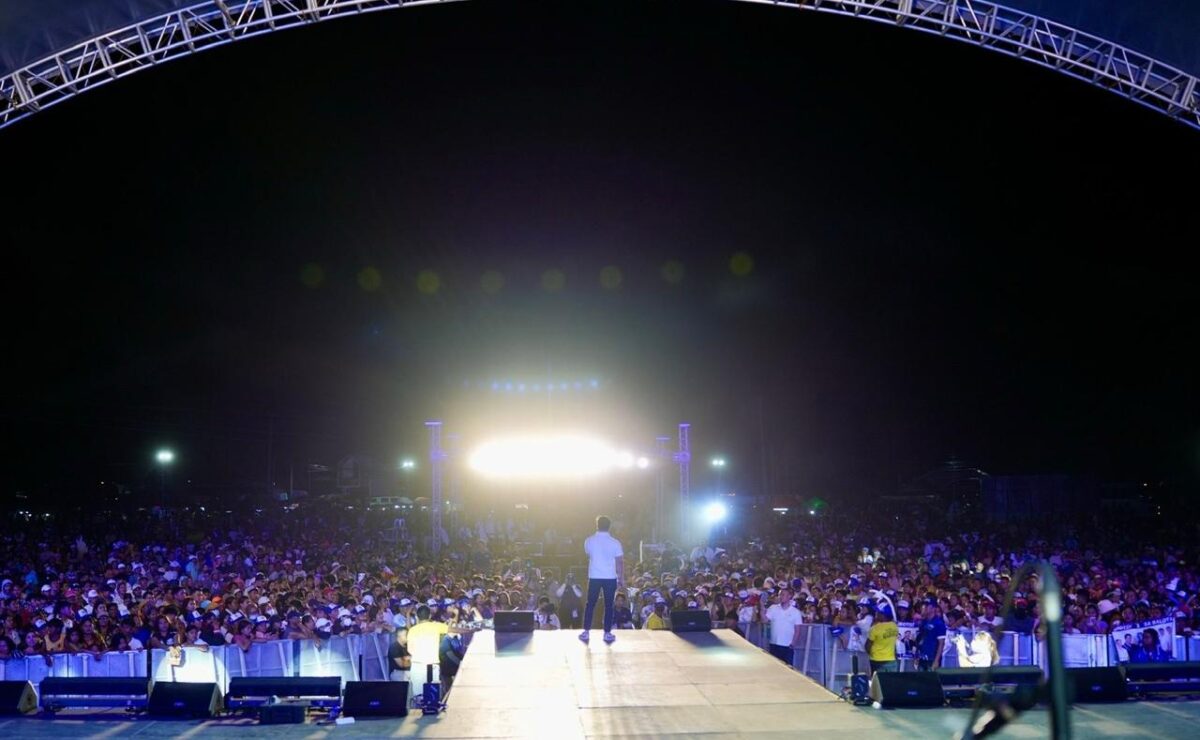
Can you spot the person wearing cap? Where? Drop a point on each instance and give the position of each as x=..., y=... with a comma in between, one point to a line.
x=881, y=641
x=606, y=573
x=658, y=619
x=931, y=637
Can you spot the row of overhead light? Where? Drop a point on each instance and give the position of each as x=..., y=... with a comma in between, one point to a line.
x=519, y=386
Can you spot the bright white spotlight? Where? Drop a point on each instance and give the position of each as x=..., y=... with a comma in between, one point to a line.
x=555, y=457
x=714, y=512
x=625, y=460
x=643, y=463
x=165, y=456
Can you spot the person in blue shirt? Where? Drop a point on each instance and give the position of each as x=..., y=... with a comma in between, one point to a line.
x=931, y=637
x=1150, y=651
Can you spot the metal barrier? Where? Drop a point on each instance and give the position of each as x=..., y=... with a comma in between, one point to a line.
x=126, y=664
x=822, y=657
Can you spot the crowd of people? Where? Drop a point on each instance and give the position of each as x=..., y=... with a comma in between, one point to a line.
x=157, y=579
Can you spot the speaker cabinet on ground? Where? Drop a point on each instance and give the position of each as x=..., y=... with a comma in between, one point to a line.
x=1097, y=684
x=691, y=620
x=1163, y=678
x=180, y=699
x=17, y=697
x=59, y=693
x=922, y=689
x=513, y=621
x=283, y=713
x=317, y=691
x=376, y=699
x=962, y=683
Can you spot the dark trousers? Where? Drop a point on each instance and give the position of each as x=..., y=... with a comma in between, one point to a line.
x=783, y=652
x=595, y=586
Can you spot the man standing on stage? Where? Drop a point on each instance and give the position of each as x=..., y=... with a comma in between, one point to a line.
x=606, y=572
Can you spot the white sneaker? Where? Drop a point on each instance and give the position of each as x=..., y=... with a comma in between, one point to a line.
x=609, y=637
x=584, y=636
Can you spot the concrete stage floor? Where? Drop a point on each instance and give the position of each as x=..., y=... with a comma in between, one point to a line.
x=646, y=684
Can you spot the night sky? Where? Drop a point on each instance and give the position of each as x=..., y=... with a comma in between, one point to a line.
x=951, y=253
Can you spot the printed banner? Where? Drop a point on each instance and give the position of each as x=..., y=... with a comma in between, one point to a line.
x=1145, y=642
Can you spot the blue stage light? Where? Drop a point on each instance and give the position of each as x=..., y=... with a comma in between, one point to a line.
x=595, y=383
x=495, y=386
x=562, y=386
x=521, y=388
x=508, y=386
x=578, y=385
x=536, y=387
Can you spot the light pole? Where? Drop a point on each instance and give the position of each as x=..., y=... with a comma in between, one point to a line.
x=164, y=457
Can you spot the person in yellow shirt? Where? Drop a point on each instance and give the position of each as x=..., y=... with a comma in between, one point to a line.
x=658, y=618
x=881, y=641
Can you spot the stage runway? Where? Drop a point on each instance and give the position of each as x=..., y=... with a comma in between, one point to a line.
x=647, y=684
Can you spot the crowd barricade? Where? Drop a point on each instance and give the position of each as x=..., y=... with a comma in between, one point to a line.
x=126, y=664
x=823, y=657
x=812, y=652
x=1014, y=648
x=196, y=665
x=374, y=651
x=337, y=656
x=1186, y=648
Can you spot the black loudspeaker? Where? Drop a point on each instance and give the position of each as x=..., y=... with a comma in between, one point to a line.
x=1163, y=678
x=921, y=689
x=959, y=683
x=17, y=697
x=58, y=693
x=180, y=699
x=318, y=691
x=513, y=621
x=1097, y=684
x=376, y=699
x=691, y=620
x=284, y=713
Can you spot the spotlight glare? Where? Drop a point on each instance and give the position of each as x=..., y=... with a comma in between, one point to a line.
x=165, y=456
x=563, y=456
x=643, y=463
x=714, y=512
x=625, y=460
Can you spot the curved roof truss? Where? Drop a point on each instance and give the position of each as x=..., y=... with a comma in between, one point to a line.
x=211, y=23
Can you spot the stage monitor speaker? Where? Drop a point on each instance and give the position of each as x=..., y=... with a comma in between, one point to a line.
x=282, y=713
x=1097, y=684
x=1163, y=678
x=513, y=621
x=59, y=693
x=17, y=697
x=922, y=689
x=691, y=620
x=180, y=699
x=375, y=699
x=318, y=691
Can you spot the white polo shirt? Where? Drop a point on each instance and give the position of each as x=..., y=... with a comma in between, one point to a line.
x=602, y=550
x=783, y=623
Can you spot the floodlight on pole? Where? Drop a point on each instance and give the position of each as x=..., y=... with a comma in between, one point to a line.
x=408, y=464
x=164, y=457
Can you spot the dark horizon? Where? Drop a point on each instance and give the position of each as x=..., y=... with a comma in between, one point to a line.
x=953, y=253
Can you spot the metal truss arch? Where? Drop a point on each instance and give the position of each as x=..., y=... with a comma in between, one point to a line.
x=211, y=23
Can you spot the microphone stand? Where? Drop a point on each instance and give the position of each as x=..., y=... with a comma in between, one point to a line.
x=1002, y=712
